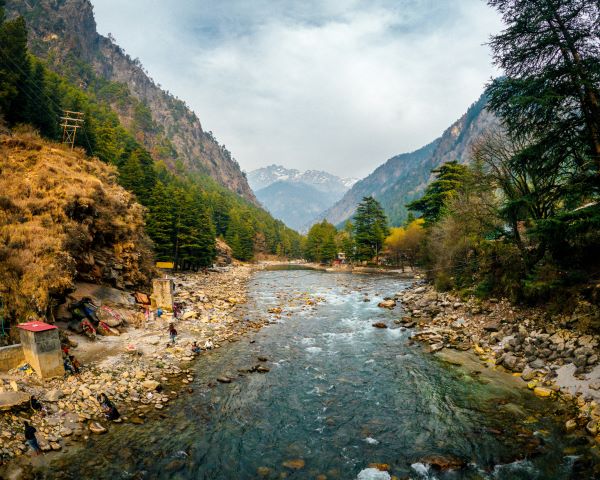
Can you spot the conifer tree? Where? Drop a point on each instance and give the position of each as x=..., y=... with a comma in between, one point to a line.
x=449, y=177
x=160, y=223
x=370, y=229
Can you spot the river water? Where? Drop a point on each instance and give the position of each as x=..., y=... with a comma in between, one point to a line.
x=340, y=395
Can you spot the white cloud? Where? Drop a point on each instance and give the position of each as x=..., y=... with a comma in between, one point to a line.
x=335, y=85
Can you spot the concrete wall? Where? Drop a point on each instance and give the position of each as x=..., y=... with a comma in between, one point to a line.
x=11, y=357
x=42, y=351
x=162, y=294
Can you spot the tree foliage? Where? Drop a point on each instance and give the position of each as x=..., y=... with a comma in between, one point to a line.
x=370, y=229
x=321, y=244
x=551, y=92
x=403, y=245
x=185, y=212
x=448, y=179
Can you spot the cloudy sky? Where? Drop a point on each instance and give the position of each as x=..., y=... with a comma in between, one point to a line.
x=338, y=85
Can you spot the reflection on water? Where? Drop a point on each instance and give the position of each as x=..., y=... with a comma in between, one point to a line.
x=340, y=395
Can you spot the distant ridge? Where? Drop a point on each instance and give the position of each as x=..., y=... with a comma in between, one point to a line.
x=404, y=177
x=297, y=197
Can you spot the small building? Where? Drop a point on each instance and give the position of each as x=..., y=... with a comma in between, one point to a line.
x=41, y=348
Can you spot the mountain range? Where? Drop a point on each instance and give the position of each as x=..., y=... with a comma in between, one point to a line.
x=64, y=34
x=297, y=197
x=404, y=177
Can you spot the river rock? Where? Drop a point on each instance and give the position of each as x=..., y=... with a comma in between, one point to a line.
x=492, y=326
x=174, y=466
x=537, y=363
x=295, y=464
x=580, y=361
x=373, y=474
x=53, y=395
x=592, y=427
x=97, y=428
x=443, y=463
x=528, y=373
x=264, y=471
x=150, y=384
x=391, y=303
x=570, y=425
x=224, y=379
x=262, y=369
x=543, y=391
x=510, y=361
x=380, y=325
x=10, y=400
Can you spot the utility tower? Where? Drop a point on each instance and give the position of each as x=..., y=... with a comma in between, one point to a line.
x=70, y=123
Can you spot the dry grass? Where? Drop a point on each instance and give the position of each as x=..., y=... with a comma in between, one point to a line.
x=62, y=215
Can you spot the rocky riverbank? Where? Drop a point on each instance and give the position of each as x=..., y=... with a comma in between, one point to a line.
x=138, y=370
x=551, y=357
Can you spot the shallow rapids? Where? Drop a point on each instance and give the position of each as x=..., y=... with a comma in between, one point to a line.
x=340, y=395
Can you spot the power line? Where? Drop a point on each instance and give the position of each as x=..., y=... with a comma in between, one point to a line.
x=70, y=123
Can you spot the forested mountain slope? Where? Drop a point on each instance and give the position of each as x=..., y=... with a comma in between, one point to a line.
x=63, y=33
x=404, y=177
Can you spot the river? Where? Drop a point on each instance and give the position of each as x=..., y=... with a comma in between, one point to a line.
x=340, y=395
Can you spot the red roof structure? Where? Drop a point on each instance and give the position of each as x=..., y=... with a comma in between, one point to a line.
x=36, y=326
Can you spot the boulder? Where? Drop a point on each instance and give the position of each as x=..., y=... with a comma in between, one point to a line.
x=295, y=464
x=528, y=374
x=543, y=391
x=150, y=384
x=53, y=395
x=97, y=428
x=387, y=304
x=9, y=400
x=443, y=463
x=570, y=425
x=373, y=474
x=537, y=363
x=510, y=361
x=380, y=325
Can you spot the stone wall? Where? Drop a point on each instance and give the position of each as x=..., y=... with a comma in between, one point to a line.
x=11, y=357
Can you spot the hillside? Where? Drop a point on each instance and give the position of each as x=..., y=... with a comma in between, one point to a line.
x=404, y=177
x=297, y=197
x=64, y=35
x=63, y=217
x=295, y=203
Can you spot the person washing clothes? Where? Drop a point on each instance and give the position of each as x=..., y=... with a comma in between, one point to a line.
x=30, y=438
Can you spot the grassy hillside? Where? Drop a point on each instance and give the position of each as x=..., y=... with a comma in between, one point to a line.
x=63, y=216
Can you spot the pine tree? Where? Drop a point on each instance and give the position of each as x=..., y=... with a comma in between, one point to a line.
x=15, y=71
x=449, y=177
x=370, y=229
x=551, y=56
x=160, y=223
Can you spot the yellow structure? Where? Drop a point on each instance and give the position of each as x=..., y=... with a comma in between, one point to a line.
x=162, y=293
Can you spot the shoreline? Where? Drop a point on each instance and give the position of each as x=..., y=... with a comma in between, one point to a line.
x=141, y=381
x=346, y=268
x=553, y=362
x=462, y=333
